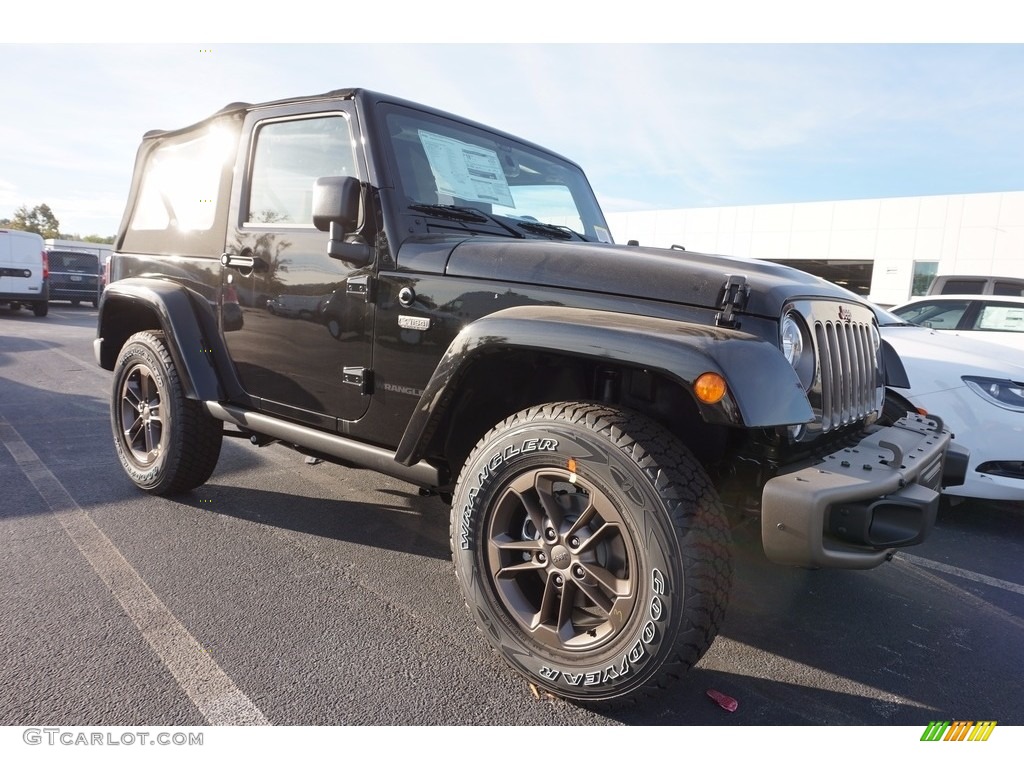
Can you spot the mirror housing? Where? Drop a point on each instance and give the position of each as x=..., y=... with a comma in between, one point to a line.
x=336, y=210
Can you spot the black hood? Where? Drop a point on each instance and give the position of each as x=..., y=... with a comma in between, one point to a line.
x=684, y=277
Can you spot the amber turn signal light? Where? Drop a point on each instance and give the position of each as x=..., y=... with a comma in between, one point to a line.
x=709, y=388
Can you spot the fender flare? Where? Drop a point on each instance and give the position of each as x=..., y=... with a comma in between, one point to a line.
x=190, y=332
x=679, y=350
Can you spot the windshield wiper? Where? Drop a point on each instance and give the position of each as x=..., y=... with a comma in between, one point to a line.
x=555, y=230
x=463, y=213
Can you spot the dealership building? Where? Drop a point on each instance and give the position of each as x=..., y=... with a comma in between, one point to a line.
x=885, y=249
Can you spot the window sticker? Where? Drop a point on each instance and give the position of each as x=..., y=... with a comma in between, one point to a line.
x=466, y=171
x=603, y=235
x=1001, y=318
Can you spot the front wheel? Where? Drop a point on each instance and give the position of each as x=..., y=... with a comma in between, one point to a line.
x=592, y=550
x=166, y=443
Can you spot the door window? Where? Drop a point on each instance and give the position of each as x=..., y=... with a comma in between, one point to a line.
x=289, y=156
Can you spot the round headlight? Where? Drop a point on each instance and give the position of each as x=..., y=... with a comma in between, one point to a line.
x=797, y=347
x=792, y=340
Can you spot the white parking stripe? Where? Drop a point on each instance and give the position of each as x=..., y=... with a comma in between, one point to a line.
x=202, y=680
x=1009, y=586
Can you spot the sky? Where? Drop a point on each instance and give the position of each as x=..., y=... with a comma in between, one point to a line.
x=726, y=114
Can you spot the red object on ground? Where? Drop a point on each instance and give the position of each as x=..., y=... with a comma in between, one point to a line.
x=728, y=703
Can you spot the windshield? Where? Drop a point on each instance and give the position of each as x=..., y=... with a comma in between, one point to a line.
x=460, y=172
x=886, y=318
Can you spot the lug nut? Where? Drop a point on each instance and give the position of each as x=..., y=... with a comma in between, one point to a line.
x=549, y=534
x=541, y=558
x=558, y=580
x=578, y=572
x=574, y=542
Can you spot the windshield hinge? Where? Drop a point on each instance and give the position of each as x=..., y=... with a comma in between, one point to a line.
x=732, y=299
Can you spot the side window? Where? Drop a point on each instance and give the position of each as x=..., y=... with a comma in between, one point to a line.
x=943, y=315
x=182, y=201
x=1000, y=317
x=181, y=184
x=289, y=156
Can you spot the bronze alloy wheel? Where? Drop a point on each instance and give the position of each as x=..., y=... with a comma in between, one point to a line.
x=141, y=415
x=561, y=559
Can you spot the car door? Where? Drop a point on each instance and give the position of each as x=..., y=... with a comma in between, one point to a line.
x=297, y=322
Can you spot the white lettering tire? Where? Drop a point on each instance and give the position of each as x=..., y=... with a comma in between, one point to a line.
x=592, y=550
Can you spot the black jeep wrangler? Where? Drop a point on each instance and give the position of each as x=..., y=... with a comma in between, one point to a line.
x=383, y=285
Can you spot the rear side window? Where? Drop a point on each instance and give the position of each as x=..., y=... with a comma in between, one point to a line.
x=1004, y=288
x=181, y=202
x=996, y=316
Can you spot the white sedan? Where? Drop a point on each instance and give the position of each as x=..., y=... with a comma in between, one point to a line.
x=977, y=389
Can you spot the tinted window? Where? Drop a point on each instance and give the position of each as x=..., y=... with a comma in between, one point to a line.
x=73, y=262
x=1003, y=288
x=964, y=286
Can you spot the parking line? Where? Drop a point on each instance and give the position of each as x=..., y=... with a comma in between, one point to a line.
x=198, y=675
x=1009, y=586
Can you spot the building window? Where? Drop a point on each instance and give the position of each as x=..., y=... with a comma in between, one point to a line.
x=924, y=273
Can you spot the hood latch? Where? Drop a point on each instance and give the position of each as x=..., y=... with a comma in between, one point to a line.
x=732, y=299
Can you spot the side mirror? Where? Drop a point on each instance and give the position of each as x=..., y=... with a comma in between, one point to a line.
x=336, y=210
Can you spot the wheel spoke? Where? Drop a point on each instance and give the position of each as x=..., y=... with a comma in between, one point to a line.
x=131, y=395
x=528, y=498
x=584, y=519
x=566, y=631
x=608, y=582
x=152, y=439
x=604, y=531
x=548, y=605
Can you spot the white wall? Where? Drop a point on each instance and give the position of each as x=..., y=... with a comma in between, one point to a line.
x=980, y=234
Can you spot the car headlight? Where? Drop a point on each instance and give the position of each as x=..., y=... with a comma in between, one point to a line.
x=797, y=347
x=1002, y=392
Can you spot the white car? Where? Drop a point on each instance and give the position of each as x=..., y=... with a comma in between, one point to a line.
x=997, y=319
x=977, y=389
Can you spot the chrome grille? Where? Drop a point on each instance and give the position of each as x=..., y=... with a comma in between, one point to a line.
x=847, y=387
x=847, y=365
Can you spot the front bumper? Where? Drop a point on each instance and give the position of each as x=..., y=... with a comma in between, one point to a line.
x=858, y=505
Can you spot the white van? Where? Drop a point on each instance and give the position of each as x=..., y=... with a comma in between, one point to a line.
x=24, y=271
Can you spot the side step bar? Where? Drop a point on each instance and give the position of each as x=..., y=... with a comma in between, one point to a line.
x=353, y=452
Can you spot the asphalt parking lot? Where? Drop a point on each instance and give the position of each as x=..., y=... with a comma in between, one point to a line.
x=294, y=594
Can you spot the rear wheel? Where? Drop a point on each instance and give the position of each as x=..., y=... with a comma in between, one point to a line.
x=166, y=443
x=592, y=550
x=40, y=308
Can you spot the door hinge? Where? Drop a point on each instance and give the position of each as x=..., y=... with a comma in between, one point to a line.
x=361, y=285
x=360, y=377
x=732, y=299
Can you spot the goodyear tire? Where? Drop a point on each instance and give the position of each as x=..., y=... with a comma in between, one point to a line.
x=166, y=443
x=592, y=550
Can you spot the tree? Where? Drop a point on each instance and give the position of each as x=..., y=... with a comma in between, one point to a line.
x=39, y=219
